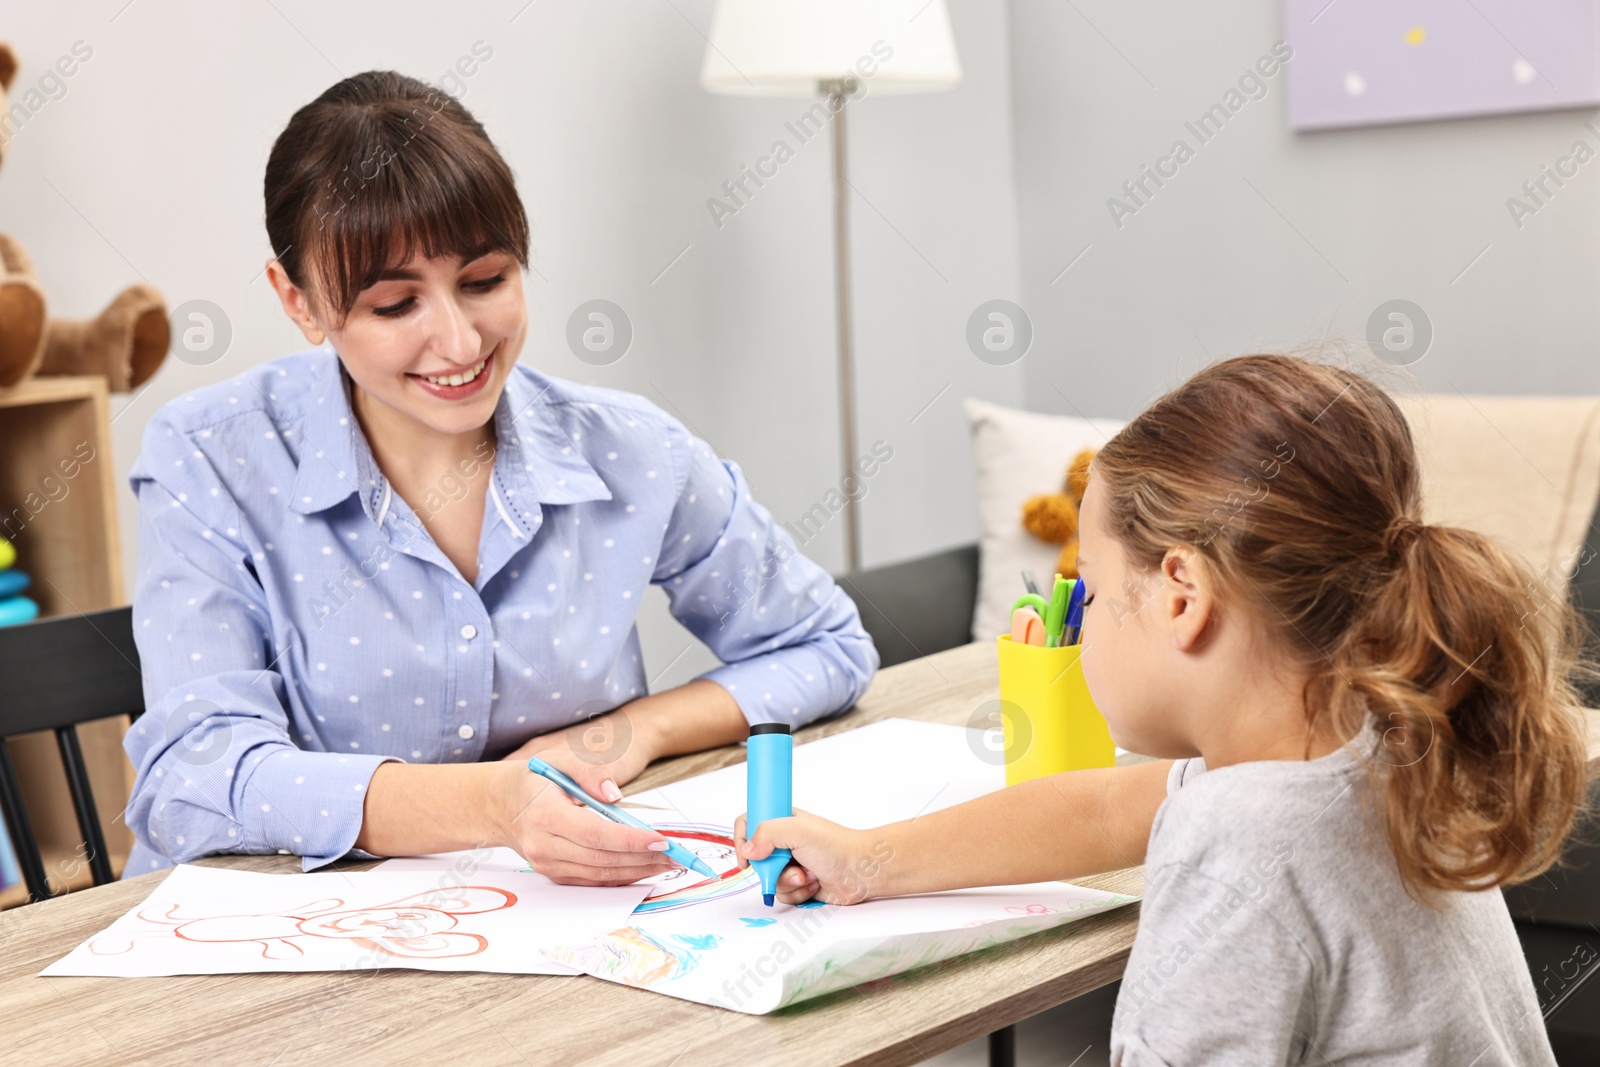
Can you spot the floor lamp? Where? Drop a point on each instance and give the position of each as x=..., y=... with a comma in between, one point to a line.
x=843, y=50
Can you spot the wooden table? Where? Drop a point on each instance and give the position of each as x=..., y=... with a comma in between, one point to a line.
x=395, y=1017
x=391, y=1017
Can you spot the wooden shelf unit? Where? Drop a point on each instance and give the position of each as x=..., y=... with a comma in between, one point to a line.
x=58, y=507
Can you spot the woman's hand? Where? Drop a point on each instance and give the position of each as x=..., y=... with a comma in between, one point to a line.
x=832, y=863
x=687, y=718
x=616, y=746
x=563, y=840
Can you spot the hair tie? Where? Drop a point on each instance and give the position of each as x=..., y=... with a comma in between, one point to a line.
x=1400, y=534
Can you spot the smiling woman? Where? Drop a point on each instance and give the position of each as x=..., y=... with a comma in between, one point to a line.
x=337, y=654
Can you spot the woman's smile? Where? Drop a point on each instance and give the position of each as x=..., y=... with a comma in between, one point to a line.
x=458, y=385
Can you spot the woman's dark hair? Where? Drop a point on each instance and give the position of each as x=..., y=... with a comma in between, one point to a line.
x=377, y=167
x=1298, y=481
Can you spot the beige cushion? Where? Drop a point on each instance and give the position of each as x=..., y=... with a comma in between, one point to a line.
x=1525, y=470
x=1018, y=454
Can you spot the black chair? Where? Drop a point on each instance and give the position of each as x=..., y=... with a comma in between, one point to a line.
x=57, y=673
x=1557, y=914
x=917, y=607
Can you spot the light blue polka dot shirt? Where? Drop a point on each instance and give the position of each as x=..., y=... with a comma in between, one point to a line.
x=297, y=626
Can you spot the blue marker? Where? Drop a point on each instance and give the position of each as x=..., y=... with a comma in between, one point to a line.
x=675, y=852
x=769, y=770
x=1073, y=627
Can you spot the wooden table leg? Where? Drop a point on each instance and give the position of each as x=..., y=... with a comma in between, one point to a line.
x=1003, y=1047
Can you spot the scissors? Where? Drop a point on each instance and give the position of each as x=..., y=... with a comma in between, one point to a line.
x=1027, y=620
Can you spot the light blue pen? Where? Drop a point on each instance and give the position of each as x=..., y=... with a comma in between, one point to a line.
x=675, y=852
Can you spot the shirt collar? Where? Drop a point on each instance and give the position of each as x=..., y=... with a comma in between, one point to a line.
x=538, y=463
x=334, y=458
x=538, y=459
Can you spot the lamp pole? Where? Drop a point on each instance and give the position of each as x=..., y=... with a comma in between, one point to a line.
x=837, y=92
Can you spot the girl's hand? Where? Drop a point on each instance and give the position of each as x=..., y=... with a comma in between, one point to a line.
x=563, y=840
x=832, y=863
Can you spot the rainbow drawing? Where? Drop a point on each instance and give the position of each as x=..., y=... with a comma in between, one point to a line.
x=715, y=847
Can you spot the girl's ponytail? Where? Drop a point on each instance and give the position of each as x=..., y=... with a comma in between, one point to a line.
x=1463, y=666
x=1298, y=481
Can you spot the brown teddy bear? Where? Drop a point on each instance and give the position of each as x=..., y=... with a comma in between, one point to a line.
x=1053, y=517
x=126, y=342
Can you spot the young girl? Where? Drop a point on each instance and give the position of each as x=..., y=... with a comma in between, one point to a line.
x=1365, y=721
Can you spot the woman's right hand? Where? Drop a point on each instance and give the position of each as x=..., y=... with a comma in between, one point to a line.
x=562, y=839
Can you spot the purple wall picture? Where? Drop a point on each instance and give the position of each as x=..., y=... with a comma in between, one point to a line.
x=1368, y=62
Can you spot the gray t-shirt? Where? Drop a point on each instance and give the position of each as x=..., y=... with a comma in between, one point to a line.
x=1275, y=930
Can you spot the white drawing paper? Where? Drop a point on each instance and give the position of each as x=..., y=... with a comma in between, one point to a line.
x=879, y=773
x=713, y=941
x=734, y=952
x=211, y=920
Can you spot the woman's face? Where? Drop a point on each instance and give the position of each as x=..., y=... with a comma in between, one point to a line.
x=432, y=340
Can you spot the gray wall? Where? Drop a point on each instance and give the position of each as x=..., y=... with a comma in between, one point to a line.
x=150, y=165
x=1268, y=238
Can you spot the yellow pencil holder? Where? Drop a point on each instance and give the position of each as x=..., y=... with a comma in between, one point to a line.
x=1050, y=721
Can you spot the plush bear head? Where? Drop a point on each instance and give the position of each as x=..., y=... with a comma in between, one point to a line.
x=1053, y=517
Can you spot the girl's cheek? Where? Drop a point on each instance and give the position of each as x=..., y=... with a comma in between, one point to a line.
x=1091, y=676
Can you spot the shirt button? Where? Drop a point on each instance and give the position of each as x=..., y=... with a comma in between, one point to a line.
x=465, y=732
x=469, y=631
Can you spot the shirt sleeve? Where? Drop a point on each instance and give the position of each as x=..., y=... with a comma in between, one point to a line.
x=216, y=769
x=1213, y=978
x=1183, y=772
x=791, y=641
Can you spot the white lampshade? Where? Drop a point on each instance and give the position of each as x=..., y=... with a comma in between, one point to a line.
x=785, y=47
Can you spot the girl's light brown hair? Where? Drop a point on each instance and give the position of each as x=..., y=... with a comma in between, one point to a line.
x=377, y=167
x=1298, y=482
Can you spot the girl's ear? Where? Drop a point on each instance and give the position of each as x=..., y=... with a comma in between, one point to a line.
x=1187, y=595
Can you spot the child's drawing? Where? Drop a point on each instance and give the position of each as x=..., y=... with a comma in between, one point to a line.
x=419, y=926
x=472, y=914
x=714, y=844
x=737, y=953
x=633, y=957
x=710, y=842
